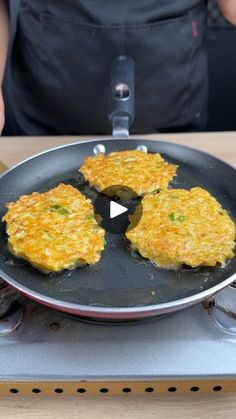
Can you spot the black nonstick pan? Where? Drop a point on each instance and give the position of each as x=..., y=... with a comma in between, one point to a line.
x=122, y=285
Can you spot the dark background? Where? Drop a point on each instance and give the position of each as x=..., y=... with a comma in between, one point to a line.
x=221, y=45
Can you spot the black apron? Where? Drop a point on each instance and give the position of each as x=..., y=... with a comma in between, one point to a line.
x=61, y=61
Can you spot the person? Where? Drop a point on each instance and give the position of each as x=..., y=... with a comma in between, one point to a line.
x=59, y=66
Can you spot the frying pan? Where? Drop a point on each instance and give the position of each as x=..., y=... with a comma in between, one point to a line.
x=122, y=285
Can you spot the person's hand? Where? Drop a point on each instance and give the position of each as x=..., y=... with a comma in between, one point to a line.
x=2, y=112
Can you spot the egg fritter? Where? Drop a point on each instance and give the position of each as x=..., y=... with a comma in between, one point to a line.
x=142, y=172
x=54, y=230
x=183, y=227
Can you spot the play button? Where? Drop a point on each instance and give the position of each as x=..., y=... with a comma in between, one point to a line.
x=116, y=209
x=114, y=206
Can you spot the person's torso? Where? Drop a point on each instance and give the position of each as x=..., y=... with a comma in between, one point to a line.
x=62, y=58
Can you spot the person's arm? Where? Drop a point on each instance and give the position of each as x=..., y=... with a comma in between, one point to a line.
x=4, y=37
x=228, y=8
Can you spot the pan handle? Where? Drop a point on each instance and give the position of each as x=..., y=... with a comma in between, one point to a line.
x=121, y=96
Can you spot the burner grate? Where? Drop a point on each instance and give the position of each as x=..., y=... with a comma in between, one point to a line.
x=222, y=309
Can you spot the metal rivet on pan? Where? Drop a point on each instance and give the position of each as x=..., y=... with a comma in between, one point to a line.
x=99, y=149
x=142, y=147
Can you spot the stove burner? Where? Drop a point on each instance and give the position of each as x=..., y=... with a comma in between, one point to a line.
x=11, y=312
x=222, y=309
x=12, y=319
x=3, y=285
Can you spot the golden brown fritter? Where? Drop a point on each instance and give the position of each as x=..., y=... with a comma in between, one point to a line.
x=183, y=227
x=143, y=173
x=54, y=230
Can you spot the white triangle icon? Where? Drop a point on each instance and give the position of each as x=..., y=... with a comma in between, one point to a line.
x=116, y=209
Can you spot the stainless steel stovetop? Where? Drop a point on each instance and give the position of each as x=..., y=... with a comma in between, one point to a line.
x=44, y=351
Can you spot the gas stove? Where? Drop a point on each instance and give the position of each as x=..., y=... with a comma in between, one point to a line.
x=43, y=351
